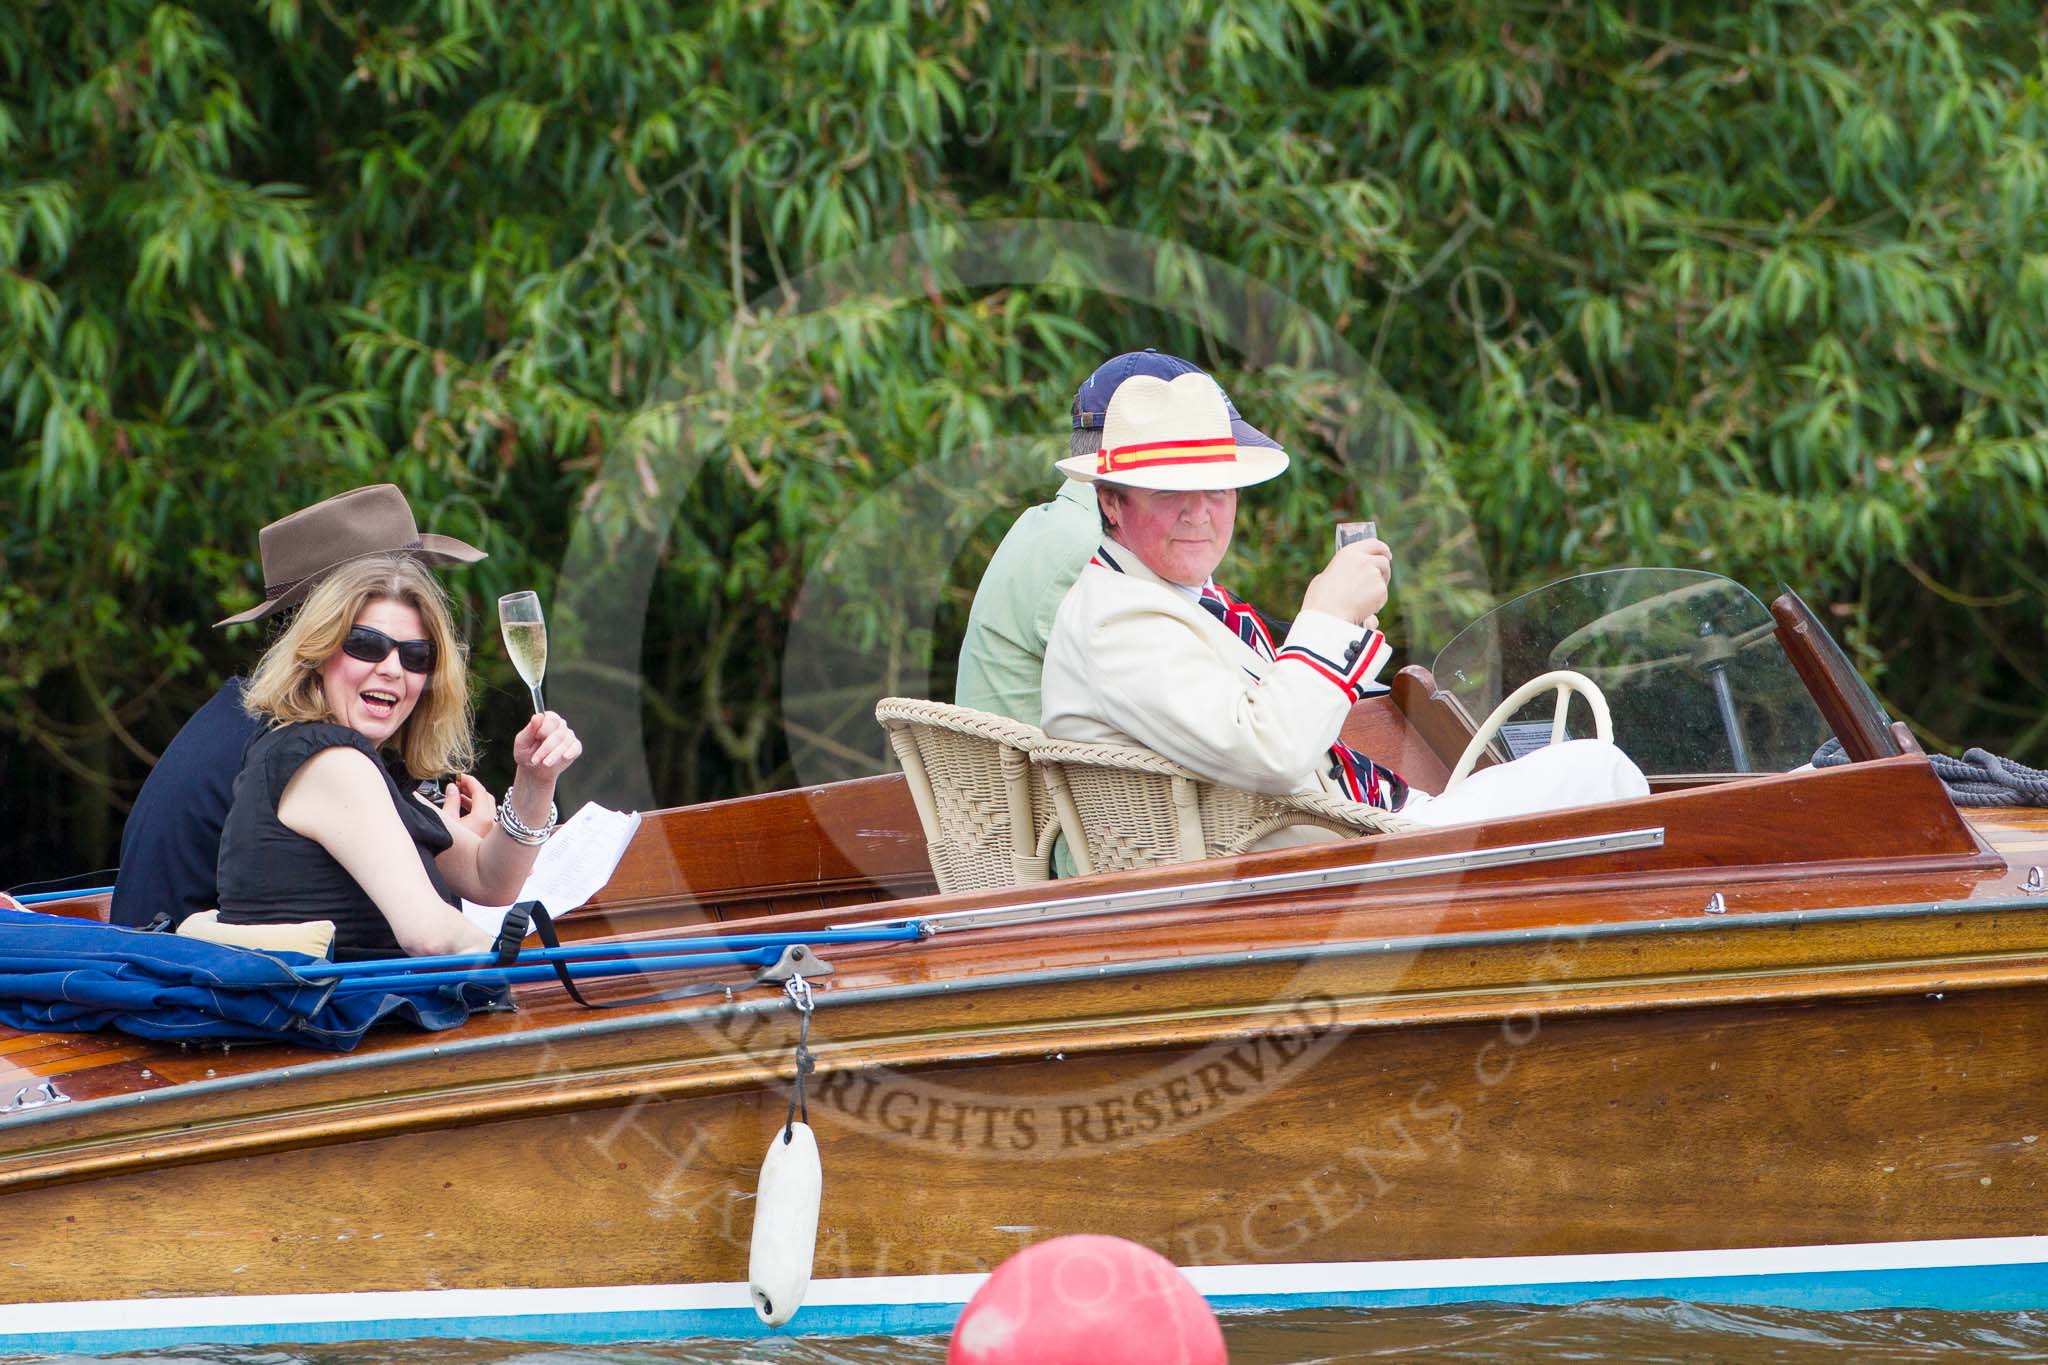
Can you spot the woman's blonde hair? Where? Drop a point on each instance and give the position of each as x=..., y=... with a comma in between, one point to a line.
x=285, y=688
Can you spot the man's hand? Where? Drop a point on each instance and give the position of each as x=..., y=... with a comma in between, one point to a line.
x=1353, y=586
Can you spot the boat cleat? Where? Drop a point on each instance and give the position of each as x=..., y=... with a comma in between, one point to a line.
x=796, y=960
x=35, y=1097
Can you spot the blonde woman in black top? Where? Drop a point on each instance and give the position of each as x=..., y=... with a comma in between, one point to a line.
x=366, y=693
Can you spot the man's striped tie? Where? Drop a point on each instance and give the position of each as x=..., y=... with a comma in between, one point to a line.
x=1238, y=617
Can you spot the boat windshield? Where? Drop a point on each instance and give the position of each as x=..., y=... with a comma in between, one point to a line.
x=1692, y=673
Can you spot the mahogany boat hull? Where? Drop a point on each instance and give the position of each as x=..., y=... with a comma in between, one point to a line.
x=1358, y=1141
x=1528, y=1084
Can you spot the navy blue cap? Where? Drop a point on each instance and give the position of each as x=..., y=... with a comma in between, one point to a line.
x=1092, y=400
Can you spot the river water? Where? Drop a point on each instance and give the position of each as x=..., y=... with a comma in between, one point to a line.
x=1649, y=1331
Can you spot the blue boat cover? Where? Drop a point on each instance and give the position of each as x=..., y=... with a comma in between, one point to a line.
x=59, y=974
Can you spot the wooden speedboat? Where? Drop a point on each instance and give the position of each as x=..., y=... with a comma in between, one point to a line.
x=1760, y=1038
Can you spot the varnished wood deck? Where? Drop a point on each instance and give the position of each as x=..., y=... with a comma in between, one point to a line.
x=2019, y=834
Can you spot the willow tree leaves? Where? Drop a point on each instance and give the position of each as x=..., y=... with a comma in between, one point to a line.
x=1759, y=289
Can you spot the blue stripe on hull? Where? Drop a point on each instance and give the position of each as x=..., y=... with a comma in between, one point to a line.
x=1994, y=1288
x=1961, y=1289
x=585, y=1329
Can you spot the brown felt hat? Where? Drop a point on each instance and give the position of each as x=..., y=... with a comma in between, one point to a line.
x=298, y=549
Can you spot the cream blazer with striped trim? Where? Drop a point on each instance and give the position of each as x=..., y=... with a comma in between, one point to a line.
x=1134, y=660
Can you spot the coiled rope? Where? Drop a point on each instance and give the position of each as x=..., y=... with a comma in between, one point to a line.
x=1978, y=778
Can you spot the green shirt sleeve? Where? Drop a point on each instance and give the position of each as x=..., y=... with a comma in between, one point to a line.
x=1002, y=654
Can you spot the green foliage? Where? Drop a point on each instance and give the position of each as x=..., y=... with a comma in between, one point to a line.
x=1751, y=288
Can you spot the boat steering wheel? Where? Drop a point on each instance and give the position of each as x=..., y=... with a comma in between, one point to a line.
x=1633, y=616
x=1565, y=682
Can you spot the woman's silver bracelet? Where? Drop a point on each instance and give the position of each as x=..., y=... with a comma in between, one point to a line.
x=517, y=829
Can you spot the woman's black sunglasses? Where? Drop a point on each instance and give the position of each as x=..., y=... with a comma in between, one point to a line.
x=373, y=646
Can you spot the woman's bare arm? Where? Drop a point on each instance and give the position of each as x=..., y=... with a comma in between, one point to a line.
x=339, y=800
x=491, y=868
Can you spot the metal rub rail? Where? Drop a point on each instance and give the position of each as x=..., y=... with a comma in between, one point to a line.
x=1276, y=883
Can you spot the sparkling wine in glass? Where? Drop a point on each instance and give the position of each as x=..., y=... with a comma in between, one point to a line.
x=526, y=640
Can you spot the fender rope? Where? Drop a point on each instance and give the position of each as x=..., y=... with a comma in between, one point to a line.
x=1978, y=778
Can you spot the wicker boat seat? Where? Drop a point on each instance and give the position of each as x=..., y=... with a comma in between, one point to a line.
x=1136, y=808
x=987, y=815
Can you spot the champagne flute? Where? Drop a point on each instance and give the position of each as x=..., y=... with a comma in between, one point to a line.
x=526, y=640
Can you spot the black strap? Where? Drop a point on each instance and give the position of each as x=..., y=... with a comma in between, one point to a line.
x=512, y=932
x=544, y=924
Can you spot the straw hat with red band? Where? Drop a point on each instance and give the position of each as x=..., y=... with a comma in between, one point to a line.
x=297, y=550
x=1174, y=435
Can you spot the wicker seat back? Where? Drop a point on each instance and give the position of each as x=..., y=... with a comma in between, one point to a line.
x=1135, y=808
x=987, y=817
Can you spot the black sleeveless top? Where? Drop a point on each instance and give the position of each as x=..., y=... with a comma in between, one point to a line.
x=271, y=874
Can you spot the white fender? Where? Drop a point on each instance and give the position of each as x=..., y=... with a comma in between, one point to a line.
x=785, y=1224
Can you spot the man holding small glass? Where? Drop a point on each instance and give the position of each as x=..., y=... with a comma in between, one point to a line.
x=1002, y=654
x=1147, y=649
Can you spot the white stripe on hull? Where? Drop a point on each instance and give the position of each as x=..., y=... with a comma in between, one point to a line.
x=1304, y=1281
x=1336, y=1277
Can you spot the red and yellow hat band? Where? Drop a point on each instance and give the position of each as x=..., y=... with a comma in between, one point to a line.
x=1149, y=454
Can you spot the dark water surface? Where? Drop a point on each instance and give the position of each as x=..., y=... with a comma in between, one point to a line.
x=1649, y=1331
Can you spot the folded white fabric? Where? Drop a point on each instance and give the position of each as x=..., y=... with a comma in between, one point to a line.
x=1579, y=772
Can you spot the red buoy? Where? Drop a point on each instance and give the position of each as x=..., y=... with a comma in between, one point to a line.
x=1087, y=1300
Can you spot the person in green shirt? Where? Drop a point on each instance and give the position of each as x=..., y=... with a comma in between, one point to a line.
x=1002, y=654
x=1003, y=651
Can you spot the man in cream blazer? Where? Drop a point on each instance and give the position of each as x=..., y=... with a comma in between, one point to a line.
x=1147, y=649
x=1135, y=658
